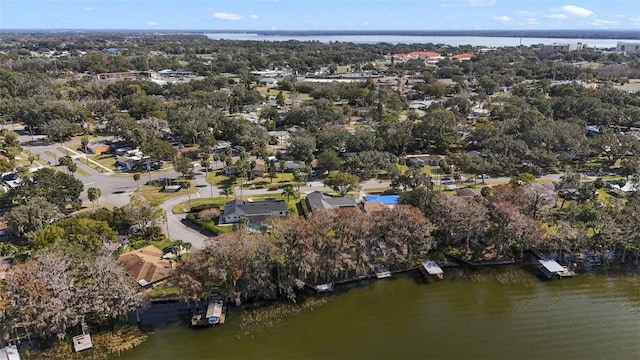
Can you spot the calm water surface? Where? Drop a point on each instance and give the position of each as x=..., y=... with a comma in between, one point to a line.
x=503, y=315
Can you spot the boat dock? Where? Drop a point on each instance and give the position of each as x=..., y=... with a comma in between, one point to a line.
x=550, y=268
x=431, y=268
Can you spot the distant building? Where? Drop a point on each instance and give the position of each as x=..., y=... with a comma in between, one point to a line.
x=628, y=47
x=562, y=47
x=463, y=57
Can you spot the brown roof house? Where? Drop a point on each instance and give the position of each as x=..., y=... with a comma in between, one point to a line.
x=146, y=265
x=98, y=148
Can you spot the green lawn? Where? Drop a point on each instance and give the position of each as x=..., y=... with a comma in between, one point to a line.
x=106, y=160
x=154, y=193
x=223, y=181
x=265, y=91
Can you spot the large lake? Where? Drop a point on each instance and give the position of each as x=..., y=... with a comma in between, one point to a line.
x=497, y=314
x=405, y=39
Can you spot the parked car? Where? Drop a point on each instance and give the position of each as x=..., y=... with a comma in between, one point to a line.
x=273, y=188
x=483, y=176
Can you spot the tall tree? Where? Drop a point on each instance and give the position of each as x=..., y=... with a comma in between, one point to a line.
x=94, y=194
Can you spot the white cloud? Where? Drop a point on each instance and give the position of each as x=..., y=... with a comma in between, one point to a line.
x=526, y=13
x=557, y=16
x=254, y=17
x=503, y=19
x=365, y=24
x=227, y=16
x=481, y=2
x=392, y=15
x=151, y=23
x=576, y=11
x=635, y=19
x=88, y=8
x=602, y=23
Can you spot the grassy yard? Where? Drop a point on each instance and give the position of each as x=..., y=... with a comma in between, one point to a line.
x=154, y=193
x=201, y=202
x=265, y=91
x=223, y=181
x=106, y=160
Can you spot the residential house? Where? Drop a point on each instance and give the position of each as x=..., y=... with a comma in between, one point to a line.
x=280, y=136
x=98, y=148
x=424, y=159
x=257, y=212
x=321, y=201
x=192, y=152
x=374, y=208
x=463, y=57
x=146, y=265
x=625, y=190
x=290, y=166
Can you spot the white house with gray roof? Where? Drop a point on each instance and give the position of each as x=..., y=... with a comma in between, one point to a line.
x=321, y=201
x=257, y=212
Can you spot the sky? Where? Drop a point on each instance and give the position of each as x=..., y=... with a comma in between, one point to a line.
x=320, y=14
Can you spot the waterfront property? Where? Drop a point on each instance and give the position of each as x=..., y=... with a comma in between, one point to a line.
x=146, y=265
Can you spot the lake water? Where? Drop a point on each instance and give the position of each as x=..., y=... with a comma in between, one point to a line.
x=505, y=314
x=405, y=39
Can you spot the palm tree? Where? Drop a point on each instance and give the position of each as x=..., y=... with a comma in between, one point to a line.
x=178, y=245
x=72, y=167
x=289, y=191
x=226, y=191
x=85, y=143
x=205, y=163
x=94, y=194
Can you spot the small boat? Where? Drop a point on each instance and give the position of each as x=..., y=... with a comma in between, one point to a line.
x=382, y=273
x=328, y=287
x=431, y=269
x=213, y=316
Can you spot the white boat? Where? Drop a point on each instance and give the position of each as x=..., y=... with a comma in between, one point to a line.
x=382, y=273
x=328, y=287
x=431, y=268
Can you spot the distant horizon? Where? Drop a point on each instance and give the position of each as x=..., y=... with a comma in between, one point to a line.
x=541, y=33
x=320, y=15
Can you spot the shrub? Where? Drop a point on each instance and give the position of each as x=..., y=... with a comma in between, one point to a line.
x=209, y=214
